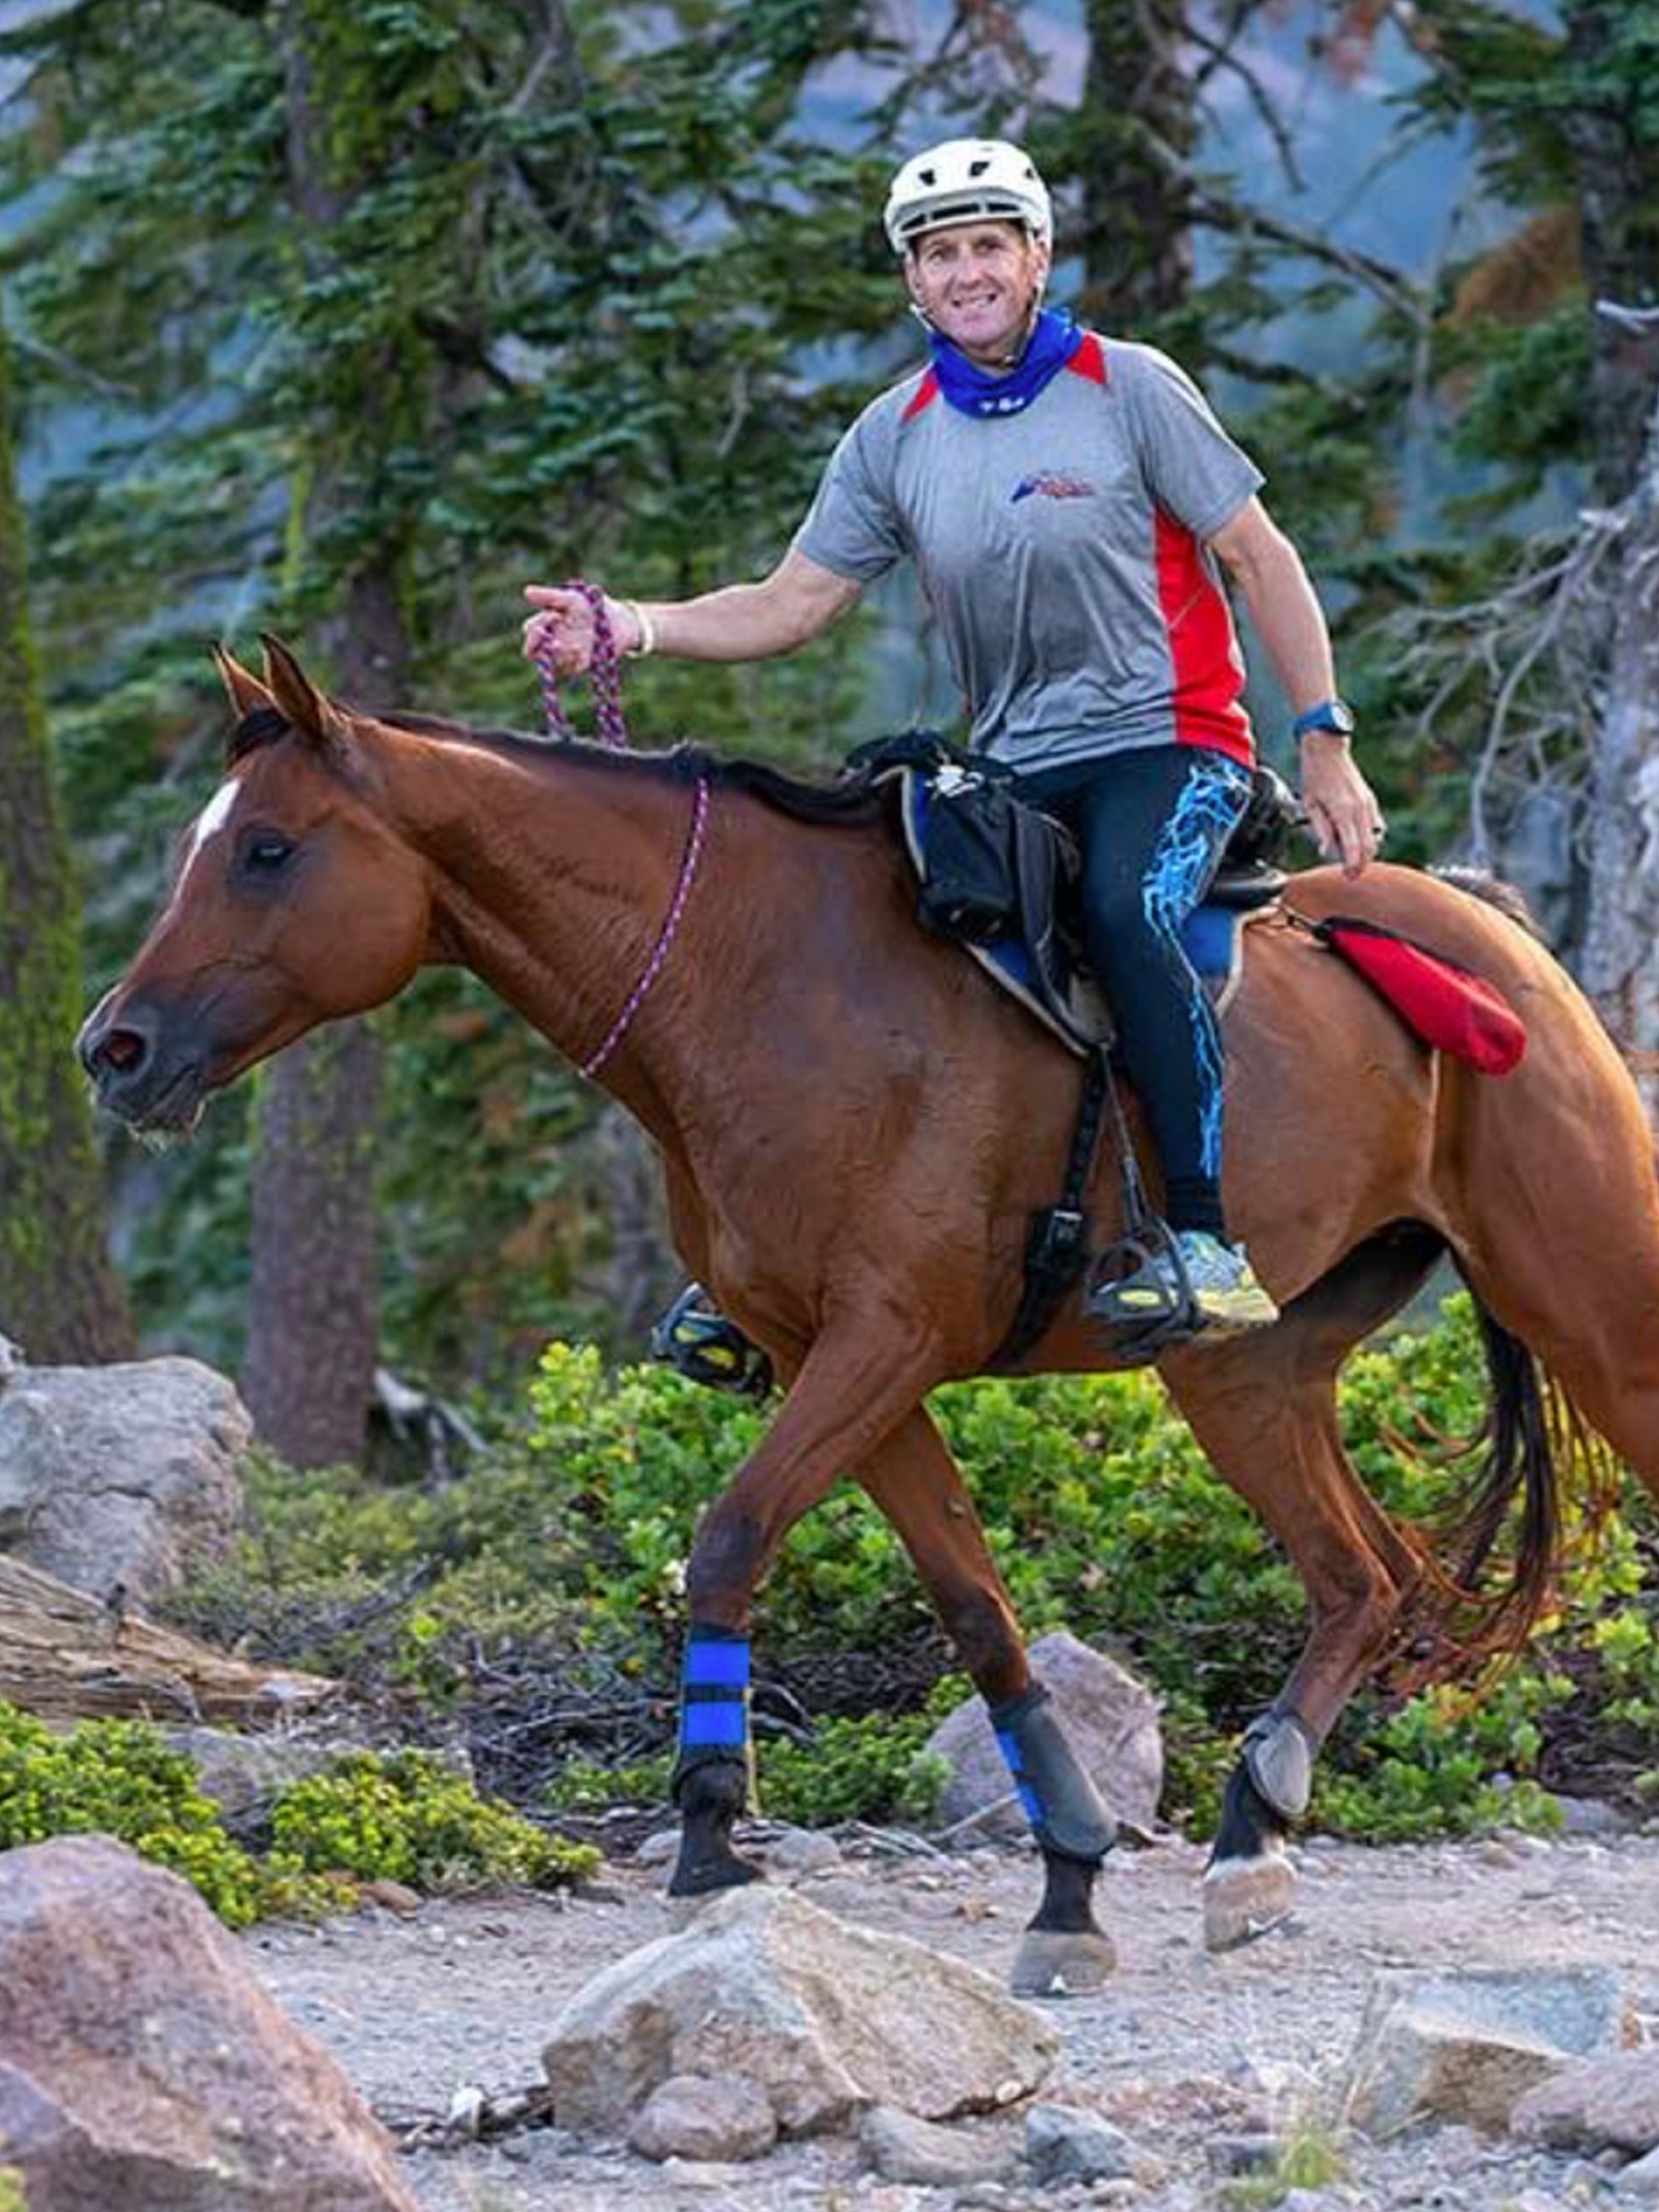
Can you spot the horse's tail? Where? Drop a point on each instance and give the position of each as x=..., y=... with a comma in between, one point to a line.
x=1546, y=1477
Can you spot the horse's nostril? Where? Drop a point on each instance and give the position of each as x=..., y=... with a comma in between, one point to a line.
x=121, y=1049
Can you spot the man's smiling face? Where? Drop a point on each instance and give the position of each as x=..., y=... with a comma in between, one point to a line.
x=978, y=284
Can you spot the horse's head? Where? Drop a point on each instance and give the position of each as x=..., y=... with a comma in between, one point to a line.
x=294, y=902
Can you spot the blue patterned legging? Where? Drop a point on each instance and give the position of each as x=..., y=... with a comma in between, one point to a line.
x=1152, y=824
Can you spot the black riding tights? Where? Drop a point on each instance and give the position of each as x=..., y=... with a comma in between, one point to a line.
x=1152, y=825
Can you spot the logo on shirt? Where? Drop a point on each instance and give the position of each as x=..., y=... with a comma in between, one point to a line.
x=1046, y=484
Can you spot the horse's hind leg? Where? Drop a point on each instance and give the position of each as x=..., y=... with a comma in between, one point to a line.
x=1265, y=1410
x=914, y=1480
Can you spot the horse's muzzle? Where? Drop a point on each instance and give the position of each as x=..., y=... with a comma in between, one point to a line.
x=137, y=1076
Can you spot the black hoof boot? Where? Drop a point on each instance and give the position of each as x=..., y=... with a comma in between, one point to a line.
x=711, y=1796
x=1064, y=1952
x=1250, y=1884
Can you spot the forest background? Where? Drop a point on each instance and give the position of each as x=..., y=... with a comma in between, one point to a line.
x=347, y=321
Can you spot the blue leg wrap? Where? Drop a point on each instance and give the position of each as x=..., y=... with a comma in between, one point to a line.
x=715, y=1684
x=1063, y=1805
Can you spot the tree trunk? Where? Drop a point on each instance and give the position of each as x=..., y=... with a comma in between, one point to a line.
x=59, y=1297
x=313, y=1311
x=1617, y=967
x=1616, y=149
x=1135, y=133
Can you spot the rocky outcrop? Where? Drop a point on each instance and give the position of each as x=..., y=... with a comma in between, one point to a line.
x=142, y=2067
x=825, y=2018
x=1111, y=1720
x=121, y=1480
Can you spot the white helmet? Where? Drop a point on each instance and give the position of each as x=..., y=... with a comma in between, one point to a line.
x=967, y=180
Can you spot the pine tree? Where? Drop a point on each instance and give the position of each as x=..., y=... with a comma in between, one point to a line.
x=58, y=1295
x=537, y=309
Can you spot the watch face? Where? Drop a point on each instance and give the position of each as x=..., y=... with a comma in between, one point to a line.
x=1335, y=715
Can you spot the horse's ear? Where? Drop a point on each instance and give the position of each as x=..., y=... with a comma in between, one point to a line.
x=293, y=694
x=242, y=687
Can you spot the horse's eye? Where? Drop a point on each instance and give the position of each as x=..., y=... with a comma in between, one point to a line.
x=265, y=853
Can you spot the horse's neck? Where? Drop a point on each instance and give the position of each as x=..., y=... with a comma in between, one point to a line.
x=552, y=881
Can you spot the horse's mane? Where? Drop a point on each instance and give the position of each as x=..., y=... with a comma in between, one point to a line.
x=853, y=797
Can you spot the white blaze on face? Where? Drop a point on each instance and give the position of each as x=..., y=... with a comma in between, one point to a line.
x=213, y=818
x=208, y=824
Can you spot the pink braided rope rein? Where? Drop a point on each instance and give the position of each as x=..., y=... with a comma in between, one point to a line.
x=605, y=680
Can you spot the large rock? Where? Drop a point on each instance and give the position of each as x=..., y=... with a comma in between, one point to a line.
x=1468, y=2046
x=1609, y=2104
x=142, y=2067
x=1109, y=1719
x=824, y=2017
x=123, y=1476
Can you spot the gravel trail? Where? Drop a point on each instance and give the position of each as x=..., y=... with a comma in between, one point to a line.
x=1183, y=2050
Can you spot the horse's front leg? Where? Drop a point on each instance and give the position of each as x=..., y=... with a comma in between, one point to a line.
x=856, y=1384
x=914, y=1480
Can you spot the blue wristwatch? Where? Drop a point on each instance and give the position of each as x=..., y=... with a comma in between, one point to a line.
x=1333, y=715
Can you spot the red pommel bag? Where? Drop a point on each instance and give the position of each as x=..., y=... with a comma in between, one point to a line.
x=1448, y=1007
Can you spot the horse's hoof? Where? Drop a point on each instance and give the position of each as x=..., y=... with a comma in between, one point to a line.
x=1246, y=1897
x=693, y=1885
x=1053, y=1963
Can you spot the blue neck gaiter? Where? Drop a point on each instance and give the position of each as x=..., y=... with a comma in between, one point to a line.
x=971, y=391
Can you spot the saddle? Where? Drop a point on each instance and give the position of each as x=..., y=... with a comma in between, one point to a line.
x=1001, y=878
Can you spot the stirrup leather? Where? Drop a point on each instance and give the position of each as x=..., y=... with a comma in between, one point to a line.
x=695, y=1338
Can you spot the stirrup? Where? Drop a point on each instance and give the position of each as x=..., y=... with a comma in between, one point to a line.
x=695, y=1338
x=1139, y=1287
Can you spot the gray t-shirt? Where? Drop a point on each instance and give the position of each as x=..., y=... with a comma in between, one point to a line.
x=1063, y=551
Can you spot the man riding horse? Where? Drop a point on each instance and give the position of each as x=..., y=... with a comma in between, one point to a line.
x=1065, y=498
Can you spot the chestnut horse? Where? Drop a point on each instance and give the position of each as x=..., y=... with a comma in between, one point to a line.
x=856, y=1128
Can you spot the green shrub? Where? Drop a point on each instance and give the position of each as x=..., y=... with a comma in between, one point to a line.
x=118, y=1778
x=406, y=1816
x=14, y=2197
x=1100, y=1511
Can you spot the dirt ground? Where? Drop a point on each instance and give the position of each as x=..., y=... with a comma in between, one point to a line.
x=1183, y=2050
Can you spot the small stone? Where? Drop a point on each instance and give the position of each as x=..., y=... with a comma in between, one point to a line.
x=1063, y=2144
x=796, y=1852
x=1641, y=2179
x=391, y=1897
x=658, y=1848
x=1609, y=2100
x=702, y=2173
x=694, y=2117
x=1243, y=2154
x=902, y=2148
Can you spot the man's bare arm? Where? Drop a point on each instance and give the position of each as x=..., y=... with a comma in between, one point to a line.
x=740, y=622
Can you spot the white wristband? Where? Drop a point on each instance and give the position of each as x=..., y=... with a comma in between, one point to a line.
x=647, y=644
